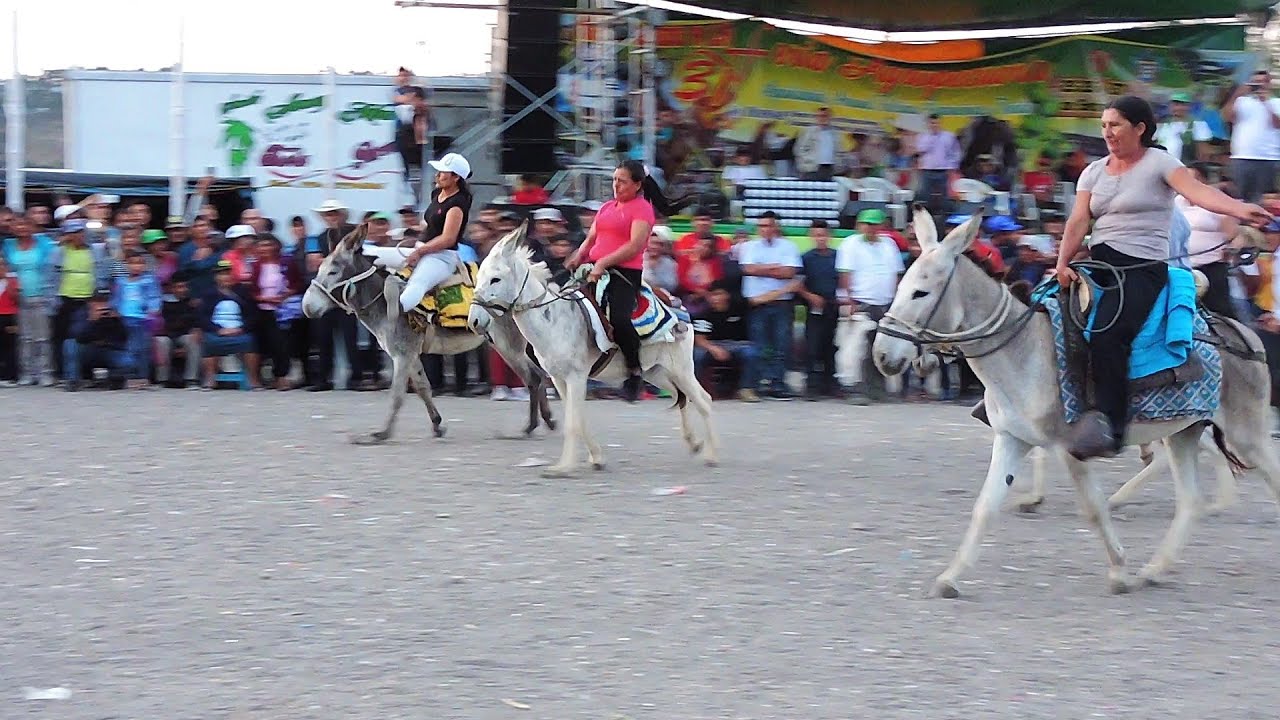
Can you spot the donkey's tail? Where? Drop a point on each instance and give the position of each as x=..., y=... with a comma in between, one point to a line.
x=1237, y=465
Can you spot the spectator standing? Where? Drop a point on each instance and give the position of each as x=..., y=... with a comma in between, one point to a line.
x=1207, y=245
x=741, y=169
x=686, y=248
x=243, y=253
x=721, y=338
x=162, y=261
x=818, y=148
x=180, y=335
x=74, y=282
x=336, y=321
x=136, y=299
x=769, y=264
x=272, y=281
x=1255, y=136
x=530, y=192
x=9, y=299
x=938, y=157
x=30, y=257
x=818, y=289
x=660, y=270
x=98, y=339
x=1181, y=135
x=226, y=318
x=702, y=267
x=870, y=266
x=198, y=258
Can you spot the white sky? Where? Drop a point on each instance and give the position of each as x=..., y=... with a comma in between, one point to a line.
x=250, y=36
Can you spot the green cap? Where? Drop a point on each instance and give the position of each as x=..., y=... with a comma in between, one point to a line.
x=872, y=216
x=150, y=236
x=381, y=216
x=222, y=266
x=1180, y=97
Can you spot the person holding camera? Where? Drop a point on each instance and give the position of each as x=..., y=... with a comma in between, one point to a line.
x=1255, y=136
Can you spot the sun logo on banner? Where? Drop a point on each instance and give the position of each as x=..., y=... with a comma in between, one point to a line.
x=709, y=83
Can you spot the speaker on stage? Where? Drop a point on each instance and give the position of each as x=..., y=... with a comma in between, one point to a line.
x=534, y=44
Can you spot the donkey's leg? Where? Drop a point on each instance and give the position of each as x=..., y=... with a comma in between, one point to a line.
x=1007, y=453
x=666, y=380
x=1226, y=495
x=1031, y=501
x=423, y=386
x=544, y=403
x=1183, y=447
x=1253, y=445
x=1154, y=465
x=1094, y=506
x=399, y=386
x=701, y=400
x=574, y=395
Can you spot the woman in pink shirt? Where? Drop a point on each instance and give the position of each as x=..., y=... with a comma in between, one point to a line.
x=615, y=243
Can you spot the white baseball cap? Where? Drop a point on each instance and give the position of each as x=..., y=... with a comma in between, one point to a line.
x=239, y=231
x=65, y=211
x=454, y=163
x=592, y=206
x=664, y=233
x=330, y=206
x=548, y=213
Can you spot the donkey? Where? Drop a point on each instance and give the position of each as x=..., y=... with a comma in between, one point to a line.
x=560, y=332
x=349, y=280
x=946, y=300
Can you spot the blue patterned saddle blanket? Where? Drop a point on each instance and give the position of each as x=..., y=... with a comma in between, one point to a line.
x=1197, y=398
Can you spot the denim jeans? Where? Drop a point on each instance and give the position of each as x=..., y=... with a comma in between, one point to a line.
x=76, y=358
x=770, y=329
x=139, y=347
x=743, y=352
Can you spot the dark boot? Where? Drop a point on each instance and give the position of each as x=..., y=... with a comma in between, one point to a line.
x=1092, y=437
x=980, y=413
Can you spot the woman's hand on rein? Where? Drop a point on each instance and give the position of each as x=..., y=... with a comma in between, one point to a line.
x=1065, y=275
x=1254, y=216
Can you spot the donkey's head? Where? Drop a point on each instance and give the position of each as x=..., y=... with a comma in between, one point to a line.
x=920, y=303
x=341, y=264
x=506, y=273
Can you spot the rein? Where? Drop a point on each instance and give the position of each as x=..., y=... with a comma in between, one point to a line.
x=566, y=293
x=346, y=288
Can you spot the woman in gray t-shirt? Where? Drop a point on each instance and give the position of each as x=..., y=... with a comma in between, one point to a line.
x=1128, y=195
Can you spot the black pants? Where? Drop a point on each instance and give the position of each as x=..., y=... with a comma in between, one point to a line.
x=434, y=365
x=324, y=328
x=620, y=295
x=61, y=330
x=820, y=347
x=1109, y=351
x=9, y=347
x=298, y=336
x=1271, y=343
x=272, y=343
x=1218, y=297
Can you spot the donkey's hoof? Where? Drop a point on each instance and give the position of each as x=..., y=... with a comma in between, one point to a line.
x=1150, y=576
x=597, y=466
x=945, y=589
x=373, y=438
x=1030, y=506
x=439, y=430
x=1118, y=585
x=695, y=448
x=711, y=461
x=559, y=471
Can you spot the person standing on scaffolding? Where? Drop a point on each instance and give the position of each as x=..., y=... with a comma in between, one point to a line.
x=412, y=129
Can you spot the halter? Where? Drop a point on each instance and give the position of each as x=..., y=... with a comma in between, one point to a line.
x=494, y=308
x=948, y=343
x=346, y=287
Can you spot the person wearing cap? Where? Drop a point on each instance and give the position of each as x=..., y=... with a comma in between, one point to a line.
x=379, y=231
x=1183, y=136
x=870, y=266
x=162, y=261
x=1004, y=233
x=435, y=257
x=243, y=239
x=548, y=223
x=660, y=269
x=31, y=256
x=74, y=281
x=226, y=321
x=97, y=338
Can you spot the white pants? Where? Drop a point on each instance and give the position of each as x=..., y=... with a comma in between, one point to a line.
x=430, y=271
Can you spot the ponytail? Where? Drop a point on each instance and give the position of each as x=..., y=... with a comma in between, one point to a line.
x=650, y=191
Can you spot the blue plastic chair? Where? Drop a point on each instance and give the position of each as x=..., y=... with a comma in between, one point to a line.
x=240, y=375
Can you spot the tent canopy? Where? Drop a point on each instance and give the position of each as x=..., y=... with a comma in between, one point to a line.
x=974, y=14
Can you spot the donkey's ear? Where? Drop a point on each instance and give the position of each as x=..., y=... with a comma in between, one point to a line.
x=926, y=228
x=515, y=238
x=961, y=238
x=355, y=238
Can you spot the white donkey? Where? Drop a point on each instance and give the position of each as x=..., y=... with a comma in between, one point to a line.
x=560, y=333
x=348, y=280
x=946, y=300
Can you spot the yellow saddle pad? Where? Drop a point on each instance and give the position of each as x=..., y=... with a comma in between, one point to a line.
x=450, y=303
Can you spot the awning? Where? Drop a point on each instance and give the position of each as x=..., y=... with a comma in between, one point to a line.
x=77, y=184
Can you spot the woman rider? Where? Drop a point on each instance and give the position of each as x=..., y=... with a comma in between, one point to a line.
x=1128, y=195
x=616, y=241
x=434, y=257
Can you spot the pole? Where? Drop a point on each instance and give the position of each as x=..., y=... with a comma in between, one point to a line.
x=330, y=134
x=177, y=128
x=15, y=127
x=650, y=97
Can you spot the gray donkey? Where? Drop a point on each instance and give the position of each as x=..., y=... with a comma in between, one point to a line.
x=349, y=280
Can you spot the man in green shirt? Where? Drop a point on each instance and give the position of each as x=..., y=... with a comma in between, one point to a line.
x=74, y=280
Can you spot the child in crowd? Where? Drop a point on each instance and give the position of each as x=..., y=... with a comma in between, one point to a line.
x=137, y=300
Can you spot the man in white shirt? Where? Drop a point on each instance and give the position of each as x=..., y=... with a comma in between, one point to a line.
x=769, y=264
x=817, y=148
x=870, y=266
x=1255, y=136
x=1181, y=134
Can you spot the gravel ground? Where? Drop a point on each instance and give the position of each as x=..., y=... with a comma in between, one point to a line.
x=230, y=555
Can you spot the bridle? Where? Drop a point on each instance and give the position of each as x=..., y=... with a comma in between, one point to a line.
x=950, y=343
x=345, y=288
x=494, y=309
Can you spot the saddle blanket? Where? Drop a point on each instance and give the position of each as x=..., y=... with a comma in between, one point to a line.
x=1194, y=399
x=654, y=321
x=450, y=303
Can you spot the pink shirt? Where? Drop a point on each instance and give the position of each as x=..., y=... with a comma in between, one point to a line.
x=613, y=229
